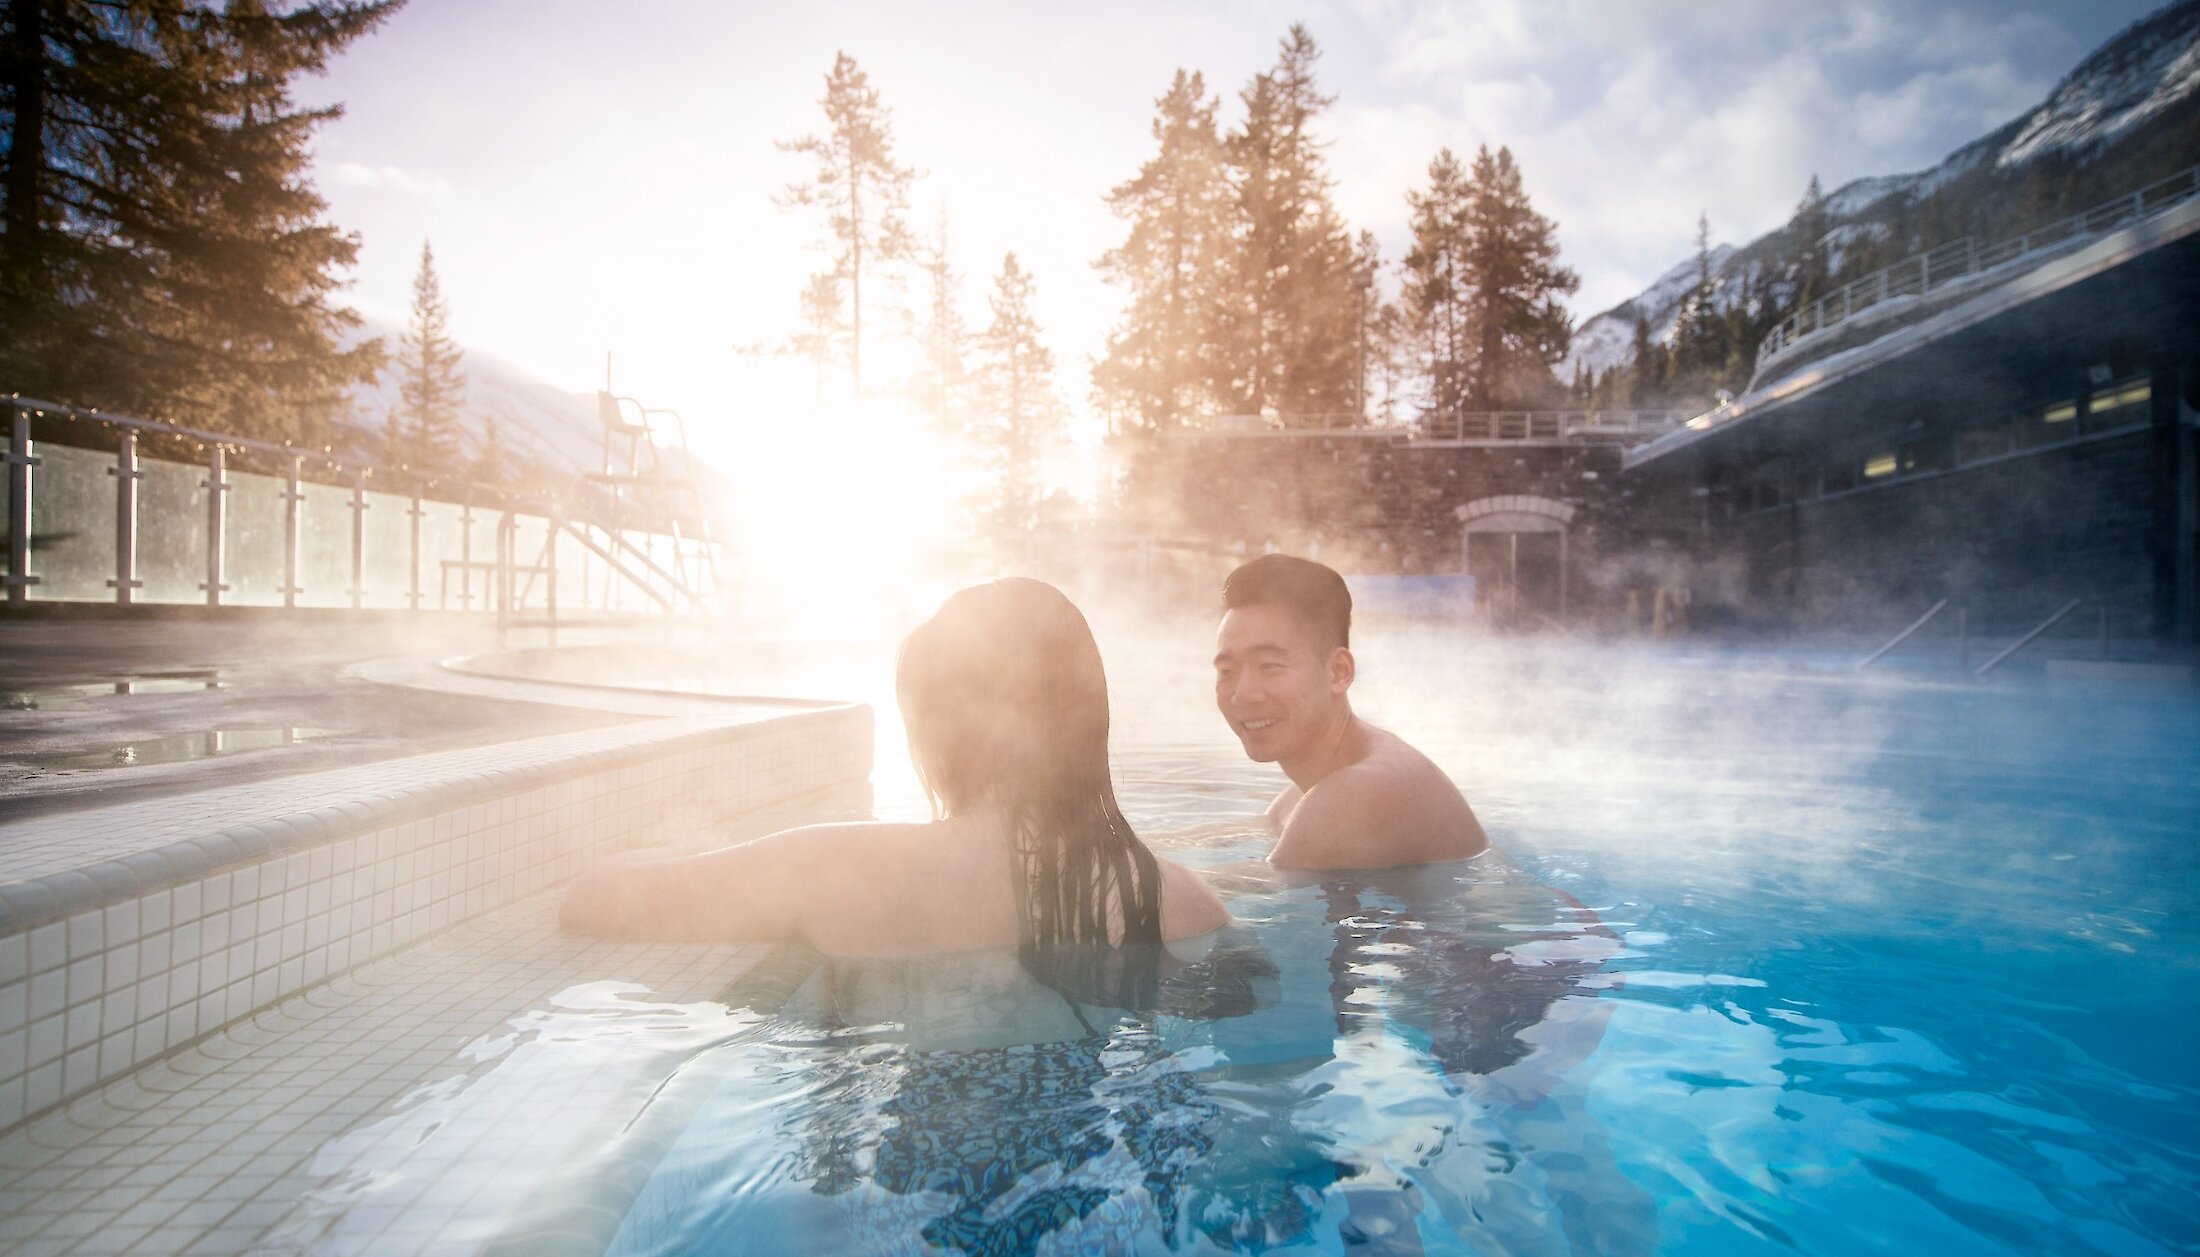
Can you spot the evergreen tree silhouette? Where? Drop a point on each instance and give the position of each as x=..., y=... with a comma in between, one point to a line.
x=863, y=191
x=161, y=246
x=424, y=429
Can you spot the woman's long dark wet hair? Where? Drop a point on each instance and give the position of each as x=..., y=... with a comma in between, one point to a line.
x=1007, y=705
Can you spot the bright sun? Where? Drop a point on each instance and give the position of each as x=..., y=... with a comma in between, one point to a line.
x=847, y=510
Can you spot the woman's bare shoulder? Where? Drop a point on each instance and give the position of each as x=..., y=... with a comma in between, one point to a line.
x=1189, y=906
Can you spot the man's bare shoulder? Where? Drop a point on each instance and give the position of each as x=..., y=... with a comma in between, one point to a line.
x=1393, y=806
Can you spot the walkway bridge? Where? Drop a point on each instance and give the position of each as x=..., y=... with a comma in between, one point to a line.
x=1456, y=430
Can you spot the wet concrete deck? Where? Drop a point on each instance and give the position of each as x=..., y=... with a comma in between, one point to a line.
x=94, y=713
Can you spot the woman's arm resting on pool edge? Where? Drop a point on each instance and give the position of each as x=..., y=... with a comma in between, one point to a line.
x=757, y=890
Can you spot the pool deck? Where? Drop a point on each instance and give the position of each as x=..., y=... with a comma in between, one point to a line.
x=210, y=968
x=258, y=1137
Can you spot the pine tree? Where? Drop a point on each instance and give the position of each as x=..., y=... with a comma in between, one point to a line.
x=863, y=191
x=1370, y=324
x=1514, y=283
x=1434, y=294
x=161, y=249
x=942, y=390
x=823, y=338
x=1384, y=338
x=1646, y=368
x=1023, y=411
x=1699, y=334
x=424, y=430
x=1160, y=369
x=1291, y=346
x=1806, y=234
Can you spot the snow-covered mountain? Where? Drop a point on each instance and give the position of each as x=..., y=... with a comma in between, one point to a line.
x=2129, y=113
x=539, y=423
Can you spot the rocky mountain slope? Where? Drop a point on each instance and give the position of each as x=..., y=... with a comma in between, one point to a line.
x=2128, y=114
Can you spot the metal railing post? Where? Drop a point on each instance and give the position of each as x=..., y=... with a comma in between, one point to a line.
x=466, y=552
x=20, y=462
x=358, y=539
x=216, y=485
x=412, y=593
x=293, y=497
x=126, y=474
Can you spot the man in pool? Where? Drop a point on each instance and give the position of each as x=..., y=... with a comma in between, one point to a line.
x=1359, y=797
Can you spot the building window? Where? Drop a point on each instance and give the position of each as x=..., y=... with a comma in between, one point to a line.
x=1881, y=465
x=2055, y=423
x=1930, y=454
x=1983, y=443
x=2117, y=406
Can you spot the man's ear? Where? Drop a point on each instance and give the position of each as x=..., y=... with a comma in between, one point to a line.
x=1342, y=668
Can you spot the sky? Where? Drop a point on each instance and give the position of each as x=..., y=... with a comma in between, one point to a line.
x=598, y=177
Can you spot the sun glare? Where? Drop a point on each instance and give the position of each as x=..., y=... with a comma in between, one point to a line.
x=848, y=510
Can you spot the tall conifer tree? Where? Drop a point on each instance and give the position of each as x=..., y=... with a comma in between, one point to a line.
x=943, y=387
x=1024, y=414
x=823, y=337
x=1372, y=323
x=1514, y=284
x=1434, y=288
x=862, y=189
x=1159, y=370
x=161, y=248
x=424, y=430
x=1806, y=233
x=1699, y=347
x=1292, y=345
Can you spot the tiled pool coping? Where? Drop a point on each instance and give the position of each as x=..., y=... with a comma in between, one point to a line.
x=129, y=932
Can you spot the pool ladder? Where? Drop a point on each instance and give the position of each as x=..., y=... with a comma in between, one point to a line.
x=1963, y=635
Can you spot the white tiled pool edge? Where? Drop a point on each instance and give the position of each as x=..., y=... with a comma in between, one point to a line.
x=118, y=961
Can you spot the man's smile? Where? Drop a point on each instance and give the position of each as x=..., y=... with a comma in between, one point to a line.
x=1255, y=726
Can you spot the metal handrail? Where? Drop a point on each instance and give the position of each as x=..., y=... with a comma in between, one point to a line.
x=1903, y=636
x=2042, y=627
x=1492, y=425
x=224, y=440
x=557, y=511
x=1524, y=425
x=1921, y=273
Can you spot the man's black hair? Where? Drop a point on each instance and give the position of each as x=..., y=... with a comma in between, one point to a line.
x=1311, y=591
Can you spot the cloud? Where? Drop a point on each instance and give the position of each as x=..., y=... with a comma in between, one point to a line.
x=1630, y=119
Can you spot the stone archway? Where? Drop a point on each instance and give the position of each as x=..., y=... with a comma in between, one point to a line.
x=1502, y=521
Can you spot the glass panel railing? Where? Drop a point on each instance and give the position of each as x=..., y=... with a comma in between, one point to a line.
x=482, y=541
x=445, y=583
x=252, y=540
x=73, y=529
x=389, y=551
x=171, y=550
x=324, y=546
x=574, y=573
x=72, y=524
x=531, y=561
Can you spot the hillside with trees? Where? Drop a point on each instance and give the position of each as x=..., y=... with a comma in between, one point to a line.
x=2126, y=116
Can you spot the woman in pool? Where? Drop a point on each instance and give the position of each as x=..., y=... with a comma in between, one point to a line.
x=1007, y=710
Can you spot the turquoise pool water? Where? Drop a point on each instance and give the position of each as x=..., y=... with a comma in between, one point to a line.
x=1773, y=963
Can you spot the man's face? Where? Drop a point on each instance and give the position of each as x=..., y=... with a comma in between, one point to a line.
x=1275, y=682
